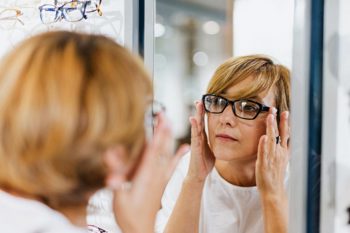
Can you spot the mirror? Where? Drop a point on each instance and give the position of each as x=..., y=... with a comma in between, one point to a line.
x=192, y=38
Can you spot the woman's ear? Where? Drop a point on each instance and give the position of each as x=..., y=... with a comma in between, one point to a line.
x=115, y=159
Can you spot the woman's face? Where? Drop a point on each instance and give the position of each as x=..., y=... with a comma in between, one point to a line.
x=235, y=139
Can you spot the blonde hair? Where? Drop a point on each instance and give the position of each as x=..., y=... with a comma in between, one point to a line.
x=65, y=98
x=265, y=73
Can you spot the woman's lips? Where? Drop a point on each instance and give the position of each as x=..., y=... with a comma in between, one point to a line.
x=225, y=137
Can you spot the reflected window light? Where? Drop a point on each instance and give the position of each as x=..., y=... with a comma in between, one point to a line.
x=159, y=30
x=211, y=27
x=200, y=58
x=160, y=61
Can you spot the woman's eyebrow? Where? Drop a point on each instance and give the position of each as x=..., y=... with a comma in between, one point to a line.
x=241, y=96
x=258, y=98
x=249, y=97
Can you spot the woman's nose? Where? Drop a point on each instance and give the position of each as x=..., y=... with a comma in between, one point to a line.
x=227, y=117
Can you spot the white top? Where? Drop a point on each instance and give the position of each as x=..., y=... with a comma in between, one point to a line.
x=225, y=208
x=100, y=211
x=20, y=215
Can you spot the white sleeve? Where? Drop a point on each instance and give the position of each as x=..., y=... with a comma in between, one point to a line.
x=100, y=211
x=171, y=193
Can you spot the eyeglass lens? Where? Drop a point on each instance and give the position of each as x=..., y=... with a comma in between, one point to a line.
x=48, y=14
x=9, y=14
x=73, y=12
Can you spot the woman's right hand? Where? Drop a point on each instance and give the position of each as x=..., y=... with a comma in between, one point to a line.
x=135, y=207
x=202, y=158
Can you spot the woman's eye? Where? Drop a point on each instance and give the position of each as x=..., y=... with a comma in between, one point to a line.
x=216, y=101
x=220, y=102
x=248, y=107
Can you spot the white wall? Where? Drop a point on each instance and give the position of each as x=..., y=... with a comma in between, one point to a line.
x=264, y=27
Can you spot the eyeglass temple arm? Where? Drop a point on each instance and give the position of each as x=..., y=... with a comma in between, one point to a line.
x=265, y=108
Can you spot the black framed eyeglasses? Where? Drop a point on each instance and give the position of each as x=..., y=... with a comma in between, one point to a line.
x=242, y=108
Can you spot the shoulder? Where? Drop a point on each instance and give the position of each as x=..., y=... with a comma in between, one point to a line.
x=20, y=215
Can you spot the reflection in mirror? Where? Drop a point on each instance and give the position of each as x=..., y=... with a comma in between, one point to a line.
x=235, y=177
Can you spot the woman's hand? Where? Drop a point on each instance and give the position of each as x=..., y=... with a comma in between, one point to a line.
x=273, y=157
x=271, y=165
x=202, y=158
x=135, y=207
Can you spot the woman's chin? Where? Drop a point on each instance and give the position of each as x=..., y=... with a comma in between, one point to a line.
x=228, y=156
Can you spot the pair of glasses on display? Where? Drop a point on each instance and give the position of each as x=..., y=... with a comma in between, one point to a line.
x=242, y=108
x=73, y=11
x=11, y=14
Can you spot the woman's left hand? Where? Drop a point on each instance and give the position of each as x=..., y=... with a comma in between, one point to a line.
x=135, y=207
x=273, y=156
x=270, y=171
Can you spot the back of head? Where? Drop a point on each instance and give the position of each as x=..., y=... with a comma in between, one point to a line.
x=65, y=98
x=266, y=75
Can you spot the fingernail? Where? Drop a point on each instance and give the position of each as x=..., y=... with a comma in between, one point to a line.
x=287, y=114
x=274, y=110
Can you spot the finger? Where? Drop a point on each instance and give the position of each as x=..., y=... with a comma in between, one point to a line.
x=163, y=143
x=284, y=129
x=160, y=148
x=195, y=132
x=271, y=136
x=163, y=123
x=262, y=159
x=275, y=126
x=199, y=113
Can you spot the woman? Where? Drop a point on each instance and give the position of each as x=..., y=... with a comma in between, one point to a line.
x=72, y=115
x=235, y=173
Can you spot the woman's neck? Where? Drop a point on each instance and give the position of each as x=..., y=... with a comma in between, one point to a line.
x=240, y=173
